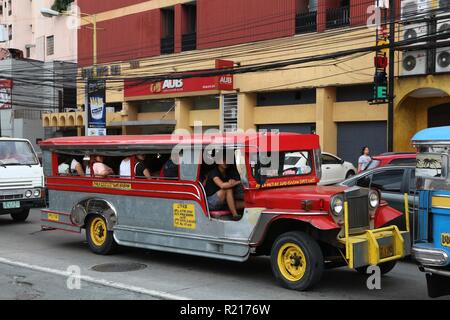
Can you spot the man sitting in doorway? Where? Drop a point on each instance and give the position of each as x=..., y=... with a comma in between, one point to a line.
x=219, y=189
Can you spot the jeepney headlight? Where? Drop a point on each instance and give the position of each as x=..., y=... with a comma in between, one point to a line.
x=28, y=193
x=374, y=199
x=37, y=193
x=337, y=205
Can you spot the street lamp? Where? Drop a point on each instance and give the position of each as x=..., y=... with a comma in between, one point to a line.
x=90, y=18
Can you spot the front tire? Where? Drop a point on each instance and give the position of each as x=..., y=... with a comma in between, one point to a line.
x=21, y=216
x=98, y=237
x=297, y=261
x=350, y=174
x=384, y=268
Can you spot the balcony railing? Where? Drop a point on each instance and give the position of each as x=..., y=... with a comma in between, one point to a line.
x=189, y=41
x=306, y=22
x=338, y=17
x=167, y=45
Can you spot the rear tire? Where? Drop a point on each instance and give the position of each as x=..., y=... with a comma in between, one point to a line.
x=297, y=261
x=99, y=238
x=384, y=268
x=21, y=216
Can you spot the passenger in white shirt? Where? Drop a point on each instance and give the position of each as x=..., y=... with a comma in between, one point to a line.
x=76, y=169
x=125, y=167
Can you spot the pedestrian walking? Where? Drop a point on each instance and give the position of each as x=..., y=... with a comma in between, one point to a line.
x=364, y=160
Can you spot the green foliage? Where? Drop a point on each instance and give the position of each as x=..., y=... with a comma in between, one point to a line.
x=61, y=5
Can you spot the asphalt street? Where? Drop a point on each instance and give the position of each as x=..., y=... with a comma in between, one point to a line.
x=36, y=264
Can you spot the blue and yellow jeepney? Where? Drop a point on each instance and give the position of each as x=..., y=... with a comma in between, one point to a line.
x=432, y=241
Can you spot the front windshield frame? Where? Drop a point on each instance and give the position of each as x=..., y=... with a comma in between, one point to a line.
x=278, y=165
x=17, y=153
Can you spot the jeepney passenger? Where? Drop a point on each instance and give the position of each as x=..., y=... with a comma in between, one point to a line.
x=125, y=167
x=140, y=170
x=76, y=169
x=100, y=169
x=170, y=168
x=64, y=167
x=219, y=189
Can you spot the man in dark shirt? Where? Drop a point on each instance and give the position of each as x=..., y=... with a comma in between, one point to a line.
x=140, y=170
x=219, y=191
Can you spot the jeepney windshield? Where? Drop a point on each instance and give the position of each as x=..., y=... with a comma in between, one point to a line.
x=16, y=153
x=285, y=163
x=432, y=167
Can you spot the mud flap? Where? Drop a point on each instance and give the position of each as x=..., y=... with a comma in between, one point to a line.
x=438, y=285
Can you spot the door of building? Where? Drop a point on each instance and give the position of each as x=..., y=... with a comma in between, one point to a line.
x=353, y=136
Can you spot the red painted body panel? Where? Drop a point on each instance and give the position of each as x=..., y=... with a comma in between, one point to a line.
x=286, y=141
x=385, y=214
x=324, y=222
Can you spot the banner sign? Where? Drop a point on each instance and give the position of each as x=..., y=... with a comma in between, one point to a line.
x=5, y=94
x=142, y=88
x=96, y=109
x=136, y=88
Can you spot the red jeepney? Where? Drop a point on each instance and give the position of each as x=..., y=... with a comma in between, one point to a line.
x=301, y=226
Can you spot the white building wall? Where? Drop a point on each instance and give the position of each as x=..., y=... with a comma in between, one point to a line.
x=31, y=29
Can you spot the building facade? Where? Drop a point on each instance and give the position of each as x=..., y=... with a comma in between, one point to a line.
x=138, y=39
x=38, y=62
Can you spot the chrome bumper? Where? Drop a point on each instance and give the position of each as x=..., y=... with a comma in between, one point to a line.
x=430, y=257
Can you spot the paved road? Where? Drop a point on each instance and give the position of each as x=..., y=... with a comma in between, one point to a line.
x=33, y=264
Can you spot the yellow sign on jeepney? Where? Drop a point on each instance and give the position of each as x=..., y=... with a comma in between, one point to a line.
x=112, y=185
x=184, y=215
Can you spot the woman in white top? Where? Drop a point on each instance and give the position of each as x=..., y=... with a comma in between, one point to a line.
x=364, y=160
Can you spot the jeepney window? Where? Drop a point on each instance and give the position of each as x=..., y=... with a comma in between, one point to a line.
x=289, y=163
x=17, y=153
x=432, y=167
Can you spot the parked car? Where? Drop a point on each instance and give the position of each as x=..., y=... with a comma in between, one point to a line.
x=392, y=182
x=335, y=170
x=392, y=158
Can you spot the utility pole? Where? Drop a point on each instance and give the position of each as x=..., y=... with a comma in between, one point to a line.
x=390, y=124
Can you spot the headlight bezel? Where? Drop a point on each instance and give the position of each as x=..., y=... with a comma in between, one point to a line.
x=369, y=199
x=37, y=193
x=337, y=201
x=28, y=194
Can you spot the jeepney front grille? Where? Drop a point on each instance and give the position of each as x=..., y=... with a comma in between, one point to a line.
x=358, y=213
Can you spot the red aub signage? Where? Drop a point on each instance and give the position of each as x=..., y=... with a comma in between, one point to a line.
x=136, y=88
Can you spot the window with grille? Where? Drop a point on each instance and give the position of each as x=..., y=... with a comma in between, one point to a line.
x=50, y=45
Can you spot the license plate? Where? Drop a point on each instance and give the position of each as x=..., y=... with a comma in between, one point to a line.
x=11, y=205
x=445, y=239
x=53, y=217
x=386, y=251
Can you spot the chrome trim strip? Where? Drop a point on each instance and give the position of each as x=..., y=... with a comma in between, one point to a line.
x=182, y=235
x=137, y=190
x=298, y=213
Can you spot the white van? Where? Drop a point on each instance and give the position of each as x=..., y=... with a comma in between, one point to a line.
x=21, y=179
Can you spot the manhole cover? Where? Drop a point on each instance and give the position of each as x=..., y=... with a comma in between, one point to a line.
x=119, y=267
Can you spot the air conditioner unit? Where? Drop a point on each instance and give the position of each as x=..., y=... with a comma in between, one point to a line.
x=414, y=62
x=413, y=8
x=443, y=54
x=415, y=32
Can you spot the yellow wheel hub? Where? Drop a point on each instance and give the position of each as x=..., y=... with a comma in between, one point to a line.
x=98, y=231
x=291, y=262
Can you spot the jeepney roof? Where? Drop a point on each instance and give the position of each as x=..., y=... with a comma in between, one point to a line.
x=437, y=134
x=287, y=141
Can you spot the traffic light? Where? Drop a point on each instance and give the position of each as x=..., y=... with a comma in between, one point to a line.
x=380, y=86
